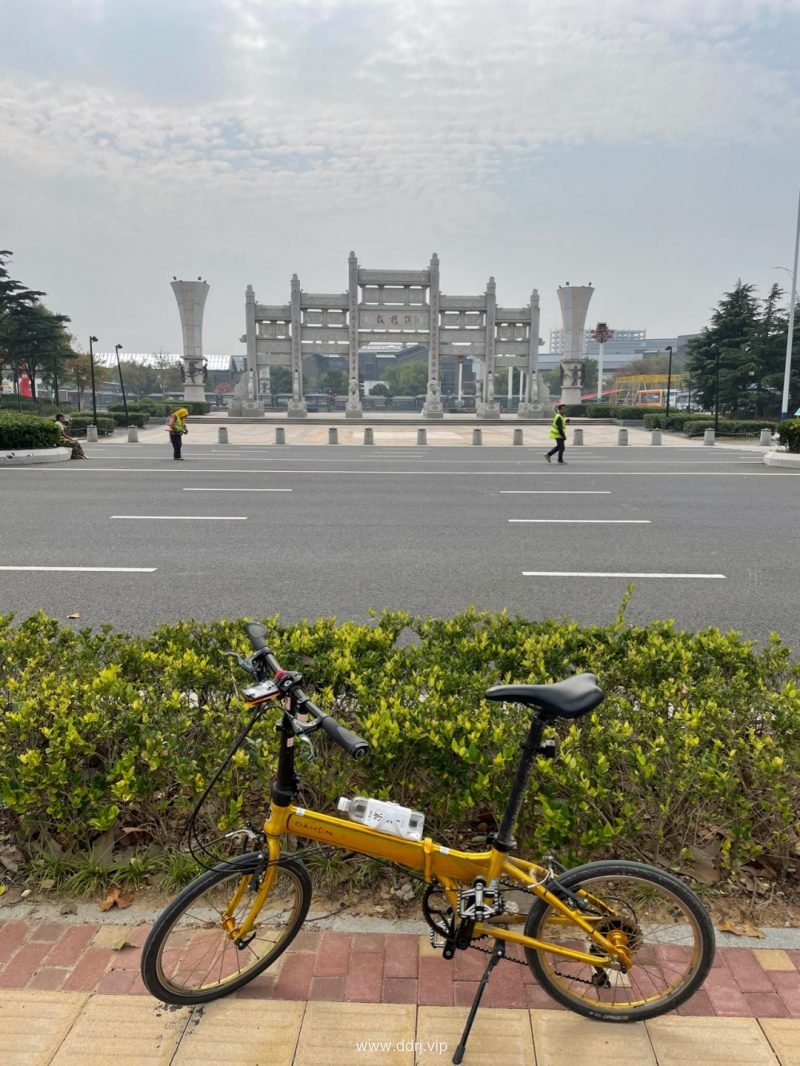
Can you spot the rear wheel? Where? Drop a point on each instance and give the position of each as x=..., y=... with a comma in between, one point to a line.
x=193, y=953
x=652, y=914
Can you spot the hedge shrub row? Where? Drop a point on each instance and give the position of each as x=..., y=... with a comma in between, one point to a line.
x=789, y=434
x=78, y=423
x=695, y=425
x=697, y=742
x=164, y=408
x=27, y=431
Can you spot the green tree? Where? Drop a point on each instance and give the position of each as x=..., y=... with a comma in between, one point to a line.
x=745, y=346
x=280, y=379
x=407, y=379
x=35, y=341
x=334, y=381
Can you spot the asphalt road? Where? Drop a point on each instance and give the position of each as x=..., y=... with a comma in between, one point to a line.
x=707, y=537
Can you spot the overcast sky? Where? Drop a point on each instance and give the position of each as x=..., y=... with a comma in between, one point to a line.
x=650, y=147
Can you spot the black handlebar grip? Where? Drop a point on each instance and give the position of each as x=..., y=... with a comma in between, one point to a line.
x=256, y=634
x=352, y=743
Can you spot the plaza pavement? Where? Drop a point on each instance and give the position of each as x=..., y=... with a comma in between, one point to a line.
x=71, y=995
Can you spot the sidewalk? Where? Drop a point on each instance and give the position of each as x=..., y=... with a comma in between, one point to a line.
x=70, y=993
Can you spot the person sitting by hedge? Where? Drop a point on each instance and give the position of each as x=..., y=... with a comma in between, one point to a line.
x=71, y=442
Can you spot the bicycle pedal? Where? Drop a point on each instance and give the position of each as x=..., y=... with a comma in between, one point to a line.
x=437, y=942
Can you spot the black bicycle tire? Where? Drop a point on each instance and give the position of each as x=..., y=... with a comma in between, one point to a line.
x=162, y=987
x=540, y=962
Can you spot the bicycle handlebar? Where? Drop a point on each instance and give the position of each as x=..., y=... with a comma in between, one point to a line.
x=347, y=740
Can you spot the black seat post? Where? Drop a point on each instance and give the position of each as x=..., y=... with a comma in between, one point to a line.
x=504, y=839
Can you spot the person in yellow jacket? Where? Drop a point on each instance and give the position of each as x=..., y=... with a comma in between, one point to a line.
x=558, y=432
x=176, y=427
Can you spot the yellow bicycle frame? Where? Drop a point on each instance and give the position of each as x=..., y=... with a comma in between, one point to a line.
x=446, y=866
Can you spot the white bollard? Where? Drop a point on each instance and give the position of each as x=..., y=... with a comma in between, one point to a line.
x=280, y=435
x=766, y=437
x=369, y=436
x=91, y=434
x=622, y=437
x=518, y=436
x=422, y=436
x=222, y=435
x=333, y=435
x=708, y=436
x=477, y=435
x=133, y=435
x=655, y=436
x=577, y=437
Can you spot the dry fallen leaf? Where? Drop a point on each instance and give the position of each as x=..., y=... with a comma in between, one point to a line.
x=115, y=899
x=75, y=615
x=740, y=928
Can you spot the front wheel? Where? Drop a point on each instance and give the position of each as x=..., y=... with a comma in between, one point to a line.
x=658, y=919
x=193, y=953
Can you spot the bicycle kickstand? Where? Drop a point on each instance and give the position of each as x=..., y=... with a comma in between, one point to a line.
x=498, y=952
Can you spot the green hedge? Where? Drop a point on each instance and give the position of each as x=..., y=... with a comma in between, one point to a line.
x=135, y=416
x=789, y=434
x=164, y=408
x=726, y=427
x=626, y=414
x=106, y=424
x=27, y=431
x=697, y=743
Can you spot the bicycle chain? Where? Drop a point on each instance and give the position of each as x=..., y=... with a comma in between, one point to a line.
x=522, y=962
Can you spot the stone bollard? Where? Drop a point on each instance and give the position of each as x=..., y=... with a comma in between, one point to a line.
x=518, y=436
x=422, y=436
x=622, y=437
x=708, y=436
x=655, y=436
x=369, y=436
x=280, y=435
x=133, y=435
x=222, y=435
x=333, y=435
x=91, y=434
x=766, y=437
x=577, y=437
x=477, y=435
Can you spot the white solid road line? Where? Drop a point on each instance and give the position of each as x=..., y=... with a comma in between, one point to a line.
x=555, y=492
x=180, y=518
x=586, y=521
x=88, y=569
x=236, y=490
x=609, y=573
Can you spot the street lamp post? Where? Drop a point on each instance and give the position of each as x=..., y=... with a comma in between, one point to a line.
x=669, y=377
x=787, y=373
x=117, y=349
x=601, y=334
x=93, y=340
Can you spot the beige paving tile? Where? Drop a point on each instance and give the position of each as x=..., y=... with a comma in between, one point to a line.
x=563, y=1039
x=122, y=1030
x=774, y=959
x=784, y=1037
x=113, y=936
x=247, y=1032
x=33, y=1025
x=707, y=1041
x=347, y=1034
x=498, y=1037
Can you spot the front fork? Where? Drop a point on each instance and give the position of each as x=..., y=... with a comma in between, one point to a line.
x=262, y=878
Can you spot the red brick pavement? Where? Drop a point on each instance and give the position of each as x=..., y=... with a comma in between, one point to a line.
x=369, y=968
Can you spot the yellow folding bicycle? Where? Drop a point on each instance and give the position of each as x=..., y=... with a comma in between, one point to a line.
x=613, y=940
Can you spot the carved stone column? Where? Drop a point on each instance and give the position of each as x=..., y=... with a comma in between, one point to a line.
x=433, y=399
x=574, y=300
x=353, y=408
x=191, y=297
x=296, y=407
x=490, y=408
x=532, y=404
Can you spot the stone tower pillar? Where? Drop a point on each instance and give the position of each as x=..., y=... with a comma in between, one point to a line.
x=574, y=300
x=433, y=400
x=191, y=297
